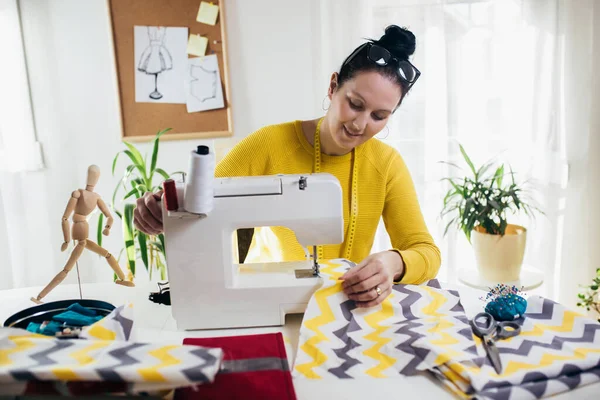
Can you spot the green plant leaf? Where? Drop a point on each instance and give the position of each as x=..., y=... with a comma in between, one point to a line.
x=158, y=245
x=155, y=150
x=468, y=160
x=131, y=193
x=140, y=165
x=99, y=229
x=114, y=196
x=499, y=175
x=448, y=226
x=122, y=183
x=143, y=248
x=114, y=163
x=512, y=175
x=136, y=155
x=162, y=173
x=141, y=189
x=494, y=204
x=161, y=238
x=454, y=185
x=128, y=232
x=482, y=170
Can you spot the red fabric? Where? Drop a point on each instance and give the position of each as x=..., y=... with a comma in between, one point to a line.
x=248, y=385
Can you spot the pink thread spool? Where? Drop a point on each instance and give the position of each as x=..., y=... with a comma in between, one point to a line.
x=170, y=191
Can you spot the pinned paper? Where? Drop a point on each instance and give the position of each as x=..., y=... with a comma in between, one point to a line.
x=203, y=84
x=197, y=45
x=207, y=14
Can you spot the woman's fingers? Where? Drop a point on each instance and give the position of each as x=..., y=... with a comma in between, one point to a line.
x=365, y=285
x=153, y=206
x=372, y=303
x=142, y=223
x=371, y=294
x=355, y=277
x=146, y=216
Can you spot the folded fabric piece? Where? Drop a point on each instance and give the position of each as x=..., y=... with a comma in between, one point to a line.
x=558, y=350
x=75, y=316
x=422, y=328
x=117, y=325
x=78, y=308
x=76, y=319
x=254, y=367
x=33, y=363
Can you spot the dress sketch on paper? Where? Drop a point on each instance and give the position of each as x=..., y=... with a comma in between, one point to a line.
x=156, y=58
x=203, y=84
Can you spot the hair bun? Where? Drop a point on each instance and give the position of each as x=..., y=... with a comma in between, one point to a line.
x=399, y=41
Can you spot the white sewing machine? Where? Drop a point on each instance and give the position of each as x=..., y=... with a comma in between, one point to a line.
x=207, y=288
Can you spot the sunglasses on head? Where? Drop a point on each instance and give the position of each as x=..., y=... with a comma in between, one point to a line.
x=382, y=56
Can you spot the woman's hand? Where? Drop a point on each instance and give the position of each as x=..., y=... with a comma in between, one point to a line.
x=147, y=216
x=370, y=282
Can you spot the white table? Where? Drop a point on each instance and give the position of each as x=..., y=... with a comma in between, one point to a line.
x=153, y=322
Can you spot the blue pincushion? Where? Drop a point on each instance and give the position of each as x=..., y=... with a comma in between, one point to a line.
x=505, y=303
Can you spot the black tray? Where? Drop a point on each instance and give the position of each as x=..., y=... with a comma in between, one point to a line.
x=45, y=312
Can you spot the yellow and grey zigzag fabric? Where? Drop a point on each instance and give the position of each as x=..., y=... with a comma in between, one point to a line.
x=424, y=328
x=338, y=340
x=117, y=325
x=27, y=357
x=558, y=350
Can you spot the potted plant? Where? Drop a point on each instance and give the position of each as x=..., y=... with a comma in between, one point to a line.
x=590, y=298
x=138, y=178
x=478, y=204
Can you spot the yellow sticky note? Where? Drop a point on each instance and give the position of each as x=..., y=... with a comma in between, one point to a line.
x=207, y=14
x=197, y=45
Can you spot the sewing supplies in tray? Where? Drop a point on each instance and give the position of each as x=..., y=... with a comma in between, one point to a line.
x=61, y=319
x=505, y=303
x=67, y=323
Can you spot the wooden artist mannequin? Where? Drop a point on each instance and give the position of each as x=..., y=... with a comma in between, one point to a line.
x=82, y=203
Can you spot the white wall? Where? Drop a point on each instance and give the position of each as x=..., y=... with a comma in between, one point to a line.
x=73, y=89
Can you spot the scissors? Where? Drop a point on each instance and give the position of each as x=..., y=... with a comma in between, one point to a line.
x=491, y=331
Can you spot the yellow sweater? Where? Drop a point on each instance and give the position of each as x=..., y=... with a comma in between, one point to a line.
x=385, y=188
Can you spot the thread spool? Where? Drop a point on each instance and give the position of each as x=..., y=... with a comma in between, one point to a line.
x=171, y=198
x=180, y=188
x=199, y=189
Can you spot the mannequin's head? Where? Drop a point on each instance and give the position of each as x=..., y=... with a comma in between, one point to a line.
x=93, y=175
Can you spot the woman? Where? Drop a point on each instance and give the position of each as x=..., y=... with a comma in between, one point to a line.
x=376, y=183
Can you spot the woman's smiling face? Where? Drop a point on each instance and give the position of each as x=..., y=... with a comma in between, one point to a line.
x=360, y=108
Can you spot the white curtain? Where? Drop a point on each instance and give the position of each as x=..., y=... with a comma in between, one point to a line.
x=43, y=101
x=20, y=155
x=509, y=79
x=580, y=127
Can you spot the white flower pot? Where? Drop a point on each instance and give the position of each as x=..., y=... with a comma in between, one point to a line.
x=499, y=258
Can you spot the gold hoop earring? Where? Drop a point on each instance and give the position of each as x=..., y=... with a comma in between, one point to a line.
x=323, y=103
x=388, y=133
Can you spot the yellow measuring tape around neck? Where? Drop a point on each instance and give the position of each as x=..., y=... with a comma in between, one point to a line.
x=354, y=189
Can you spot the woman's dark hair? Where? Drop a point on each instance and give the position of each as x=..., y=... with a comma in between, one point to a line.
x=400, y=42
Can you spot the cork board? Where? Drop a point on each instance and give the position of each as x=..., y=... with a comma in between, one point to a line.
x=140, y=121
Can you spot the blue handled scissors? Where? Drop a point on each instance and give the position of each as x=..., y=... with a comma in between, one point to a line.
x=491, y=331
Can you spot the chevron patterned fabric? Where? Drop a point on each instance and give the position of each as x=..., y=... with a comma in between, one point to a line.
x=117, y=325
x=27, y=360
x=423, y=329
